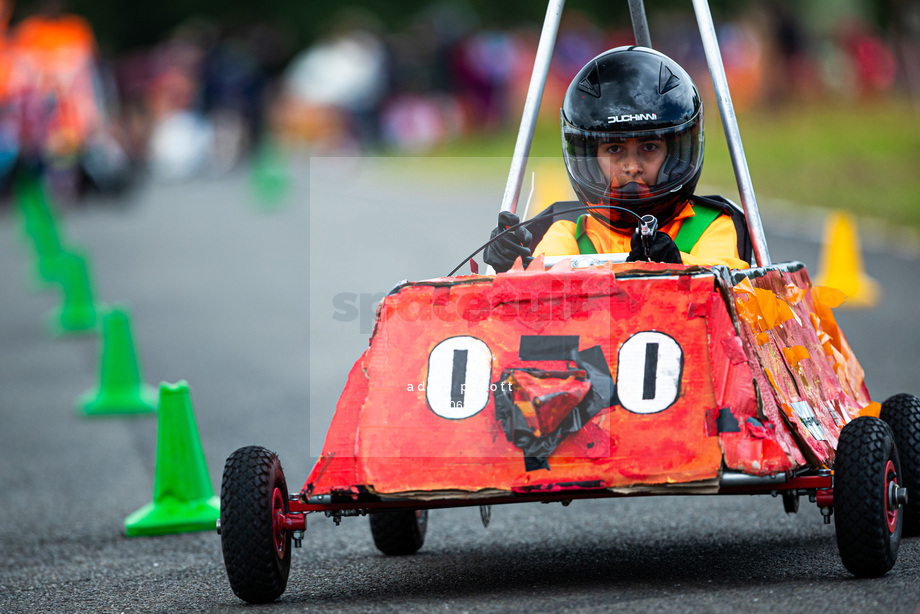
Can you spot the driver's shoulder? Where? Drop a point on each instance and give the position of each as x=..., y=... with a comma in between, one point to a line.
x=559, y=240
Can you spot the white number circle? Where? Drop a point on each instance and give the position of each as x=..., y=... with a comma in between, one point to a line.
x=648, y=372
x=459, y=374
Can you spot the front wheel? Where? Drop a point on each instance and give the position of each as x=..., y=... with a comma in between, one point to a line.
x=867, y=497
x=253, y=502
x=902, y=413
x=400, y=532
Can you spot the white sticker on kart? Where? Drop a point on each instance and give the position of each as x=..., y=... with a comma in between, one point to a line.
x=649, y=368
x=807, y=416
x=459, y=374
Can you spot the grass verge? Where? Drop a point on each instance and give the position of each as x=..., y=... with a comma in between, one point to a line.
x=864, y=158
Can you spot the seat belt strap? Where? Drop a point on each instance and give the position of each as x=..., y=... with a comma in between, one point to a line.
x=693, y=228
x=581, y=237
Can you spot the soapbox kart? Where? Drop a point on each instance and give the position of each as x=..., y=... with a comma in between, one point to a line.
x=588, y=378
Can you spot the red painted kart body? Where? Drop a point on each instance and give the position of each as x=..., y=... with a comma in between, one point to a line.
x=611, y=380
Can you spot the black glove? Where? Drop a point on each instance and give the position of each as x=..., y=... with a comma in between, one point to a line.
x=661, y=249
x=502, y=254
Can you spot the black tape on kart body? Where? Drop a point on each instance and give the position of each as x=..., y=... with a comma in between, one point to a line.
x=532, y=463
x=458, y=378
x=651, y=371
x=548, y=347
x=593, y=362
x=537, y=449
x=726, y=422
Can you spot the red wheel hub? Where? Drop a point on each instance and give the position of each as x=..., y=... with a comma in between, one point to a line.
x=278, y=523
x=891, y=497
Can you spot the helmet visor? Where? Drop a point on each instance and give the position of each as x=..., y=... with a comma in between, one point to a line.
x=628, y=168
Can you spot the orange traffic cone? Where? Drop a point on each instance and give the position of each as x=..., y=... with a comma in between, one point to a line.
x=841, y=264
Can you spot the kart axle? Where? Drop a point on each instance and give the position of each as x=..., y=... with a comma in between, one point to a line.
x=294, y=521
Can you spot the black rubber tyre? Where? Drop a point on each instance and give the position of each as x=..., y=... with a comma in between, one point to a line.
x=791, y=502
x=902, y=413
x=257, y=553
x=868, y=525
x=401, y=532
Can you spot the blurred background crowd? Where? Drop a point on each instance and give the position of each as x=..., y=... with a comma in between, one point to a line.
x=99, y=93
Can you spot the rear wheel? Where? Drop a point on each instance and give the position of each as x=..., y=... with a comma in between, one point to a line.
x=902, y=413
x=791, y=502
x=400, y=532
x=253, y=502
x=867, y=497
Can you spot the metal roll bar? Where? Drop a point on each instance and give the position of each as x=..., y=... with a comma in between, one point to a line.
x=640, y=30
x=640, y=23
x=732, y=133
x=532, y=104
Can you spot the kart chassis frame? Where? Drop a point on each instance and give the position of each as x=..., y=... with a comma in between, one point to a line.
x=817, y=486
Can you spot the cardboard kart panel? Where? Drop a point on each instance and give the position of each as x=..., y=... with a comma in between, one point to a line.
x=808, y=374
x=624, y=377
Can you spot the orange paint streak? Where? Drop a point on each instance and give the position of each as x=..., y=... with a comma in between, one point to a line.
x=794, y=355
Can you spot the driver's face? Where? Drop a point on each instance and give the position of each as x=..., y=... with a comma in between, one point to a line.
x=632, y=160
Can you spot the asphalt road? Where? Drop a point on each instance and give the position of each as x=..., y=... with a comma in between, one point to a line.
x=263, y=311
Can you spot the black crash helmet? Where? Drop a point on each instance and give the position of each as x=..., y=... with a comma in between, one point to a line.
x=633, y=93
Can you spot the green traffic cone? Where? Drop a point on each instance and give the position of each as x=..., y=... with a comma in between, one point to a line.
x=77, y=312
x=121, y=389
x=26, y=189
x=40, y=226
x=269, y=176
x=183, y=498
